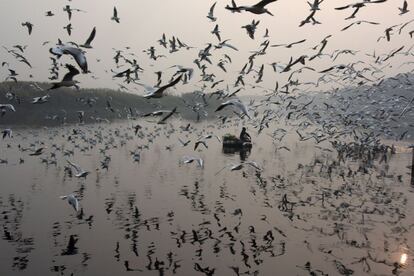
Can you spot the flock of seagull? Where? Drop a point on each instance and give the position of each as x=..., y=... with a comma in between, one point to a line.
x=362, y=116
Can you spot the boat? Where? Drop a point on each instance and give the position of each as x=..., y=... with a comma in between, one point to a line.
x=231, y=141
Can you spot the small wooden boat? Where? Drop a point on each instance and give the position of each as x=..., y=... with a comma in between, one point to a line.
x=231, y=141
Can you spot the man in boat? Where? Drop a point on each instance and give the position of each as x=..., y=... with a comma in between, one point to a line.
x=244, y=136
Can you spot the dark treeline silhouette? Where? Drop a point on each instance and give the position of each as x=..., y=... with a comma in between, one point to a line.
x=64, y=105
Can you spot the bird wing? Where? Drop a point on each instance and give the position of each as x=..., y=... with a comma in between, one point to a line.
x=72, y=72
x=263, y=3
x=74, y=202
x=91, y=37
x=297, y=42
x=343, y=7
x=171, y=84
x=223, y=105
x=115, y=12
x=9, y=106
x=211, y=13
x=75, y=166
x=79, y=56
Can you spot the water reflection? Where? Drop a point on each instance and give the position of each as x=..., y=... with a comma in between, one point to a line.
x=403, y=259
x=307, y=210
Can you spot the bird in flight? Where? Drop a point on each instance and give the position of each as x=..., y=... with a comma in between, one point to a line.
x=29, y=26
x=76, y=53
x=115, y=16
x=72, y=200
x=258, y=8
x=211, y=13
x=404, y=9
x=159, y=92
x=236, y=103
x=88, y=42
x=67, y=80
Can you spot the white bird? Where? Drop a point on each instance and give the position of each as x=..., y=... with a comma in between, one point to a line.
x=72, y=200
x=7, y=133
x=236, y=103
x=79, y=171
x=76, y=53
x=40, y=100
x=191, y=159
x=159, y=92
x=237, y=167
x=4, y=107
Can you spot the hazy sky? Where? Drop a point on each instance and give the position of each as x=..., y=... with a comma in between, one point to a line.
x=142, y=22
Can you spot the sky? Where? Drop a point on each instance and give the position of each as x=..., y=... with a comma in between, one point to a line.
x=142, y=23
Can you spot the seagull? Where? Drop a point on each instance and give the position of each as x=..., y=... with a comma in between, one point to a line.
x=289, y=45
x=162, y=121
x=236, y=103
x=251, y=28
x=4, y=107
x=190, y=159
x=404, y=9
x=40, y=100
x=76, y=53
x=7, y=133
x=88, y=42
x=67, y=80
x=211, y=13
x=37, y=152
x=159, y=92
x=49, y=13
x=72, y=200
x=202, y=142
x=225, y=44
x=115, y=16
x=216, y=32
x=358, y=23
x=68, y=28
x=79, y=171
x=184, y=143
x=258, y=8
x=29, y=26
x=156, y=113
x=237, y=167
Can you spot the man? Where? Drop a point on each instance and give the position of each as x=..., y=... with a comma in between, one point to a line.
x=244, y=136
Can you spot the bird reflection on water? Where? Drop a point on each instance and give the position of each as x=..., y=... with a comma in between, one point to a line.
x=309, y=209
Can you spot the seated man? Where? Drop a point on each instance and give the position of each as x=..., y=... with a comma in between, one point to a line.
x=244, y=136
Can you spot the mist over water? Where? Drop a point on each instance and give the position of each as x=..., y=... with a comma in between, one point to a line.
x=183, y=137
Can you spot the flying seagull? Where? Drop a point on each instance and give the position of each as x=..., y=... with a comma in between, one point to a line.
x=236, y=103
x=258, y=8
x=211, y=13
x=76, y=53
x=159, y=92
x=88, y=42
x=191, y=159
x=115, y=16
x=7, y=133
x=404, y=9
x=68, y=28
x=29, y=26
x=67, y=80
x=4, y=107
x=72, y=200
x=79, y=171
